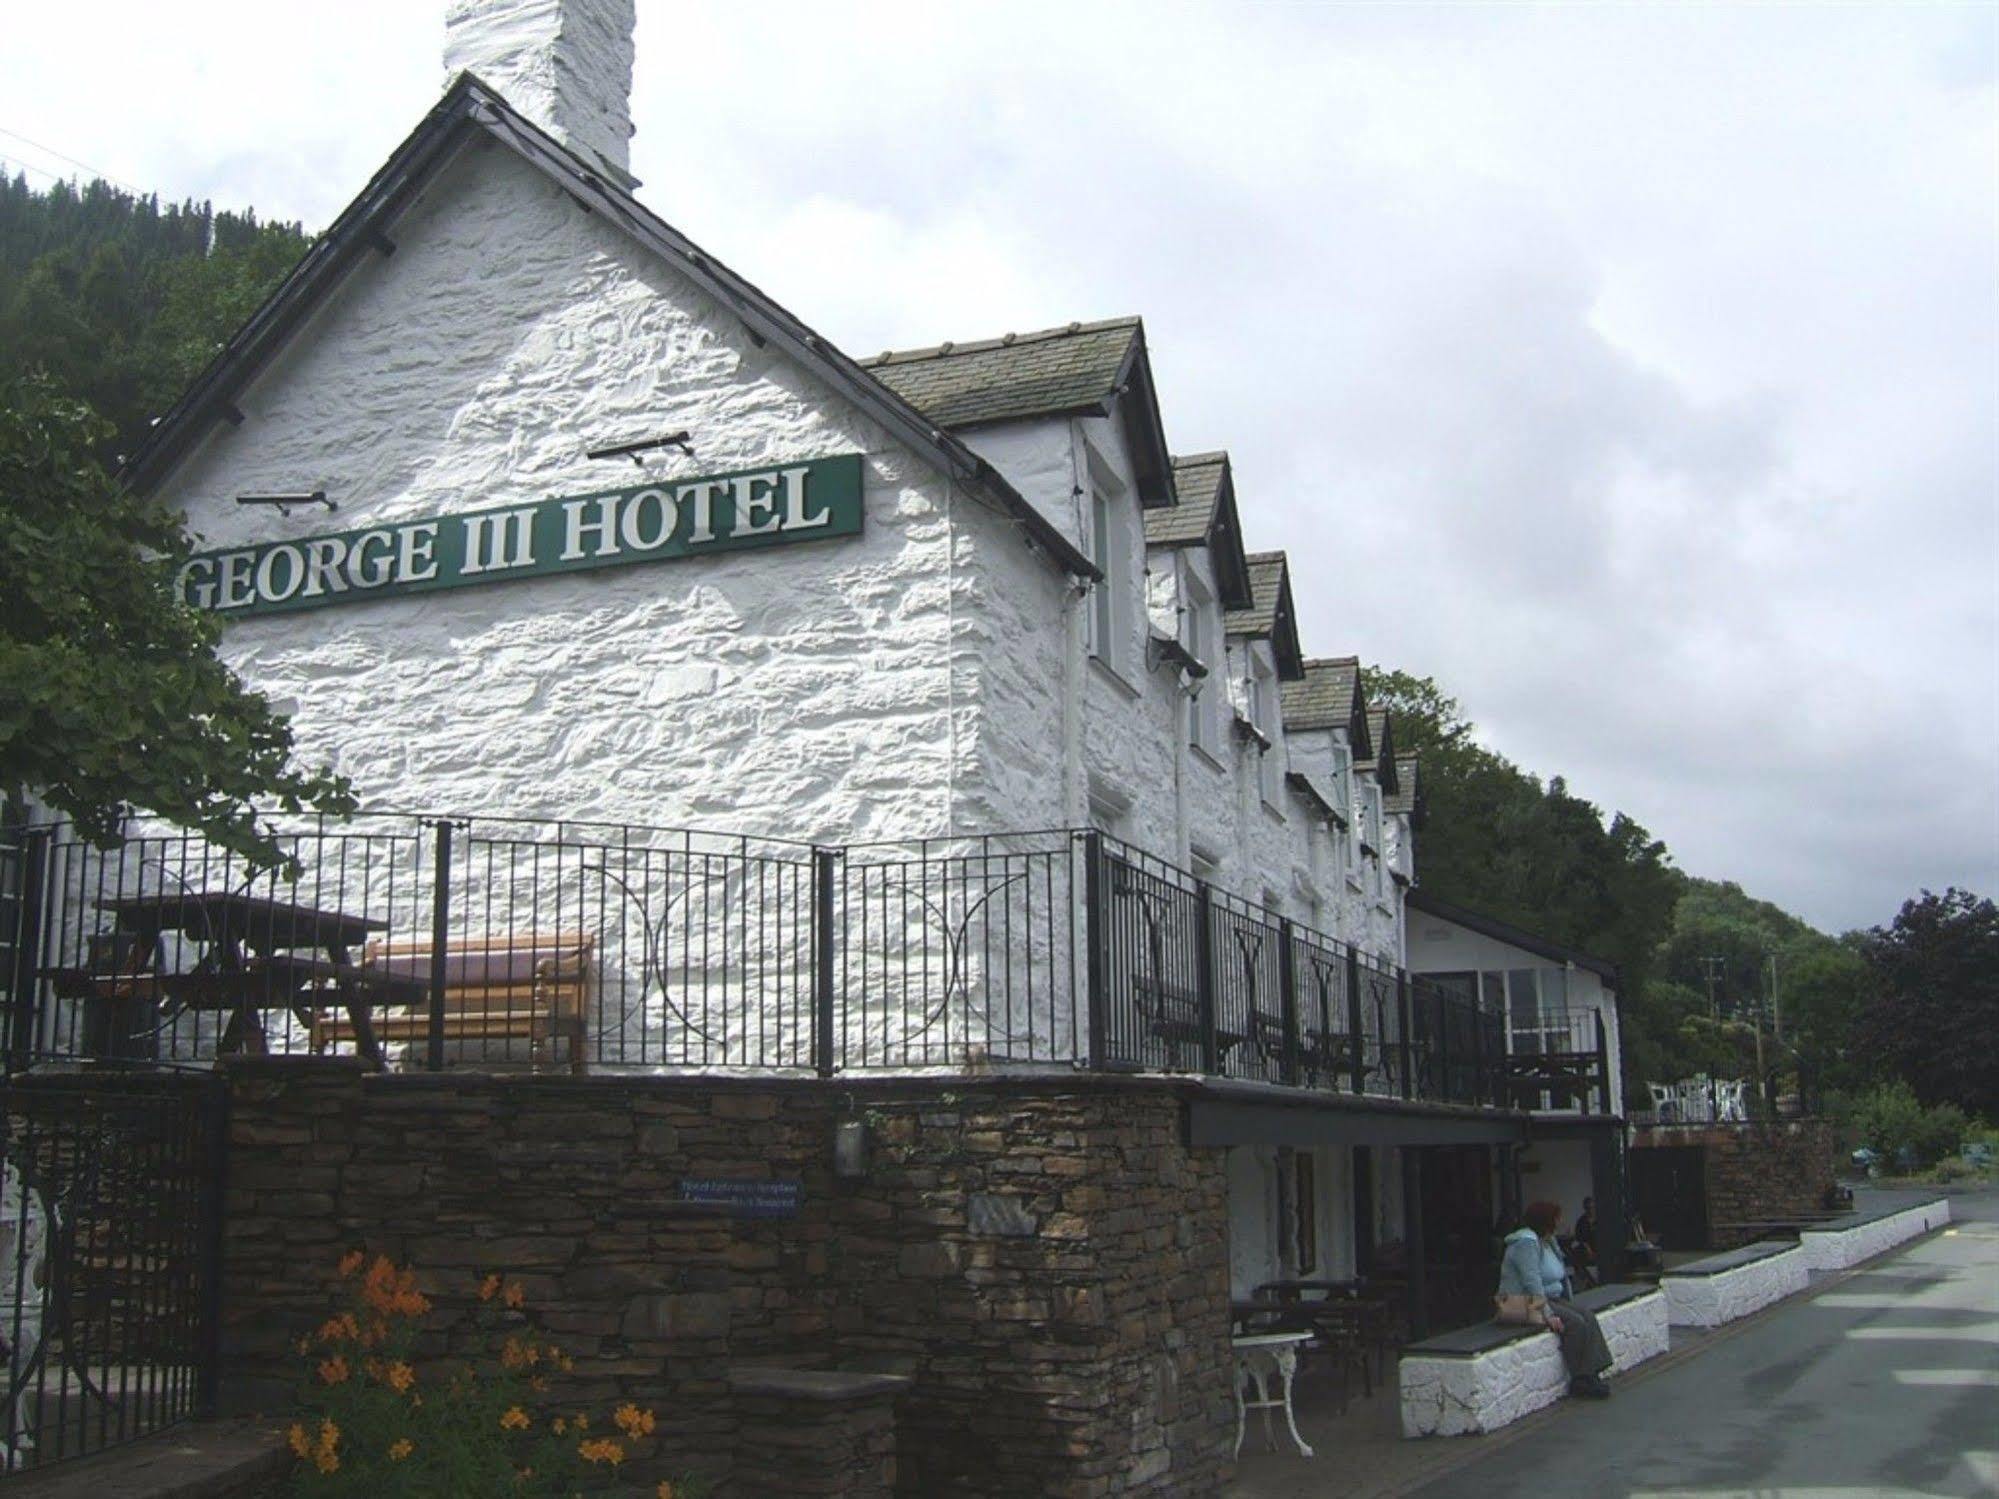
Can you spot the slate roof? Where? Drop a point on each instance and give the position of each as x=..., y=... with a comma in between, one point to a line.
x=1199, y=480
x=1204, y=514
x=1053, y=372
x=1407, y=798
x=1269, y=613
x=1326, y=697
x=366, y=227
x=1079, y=369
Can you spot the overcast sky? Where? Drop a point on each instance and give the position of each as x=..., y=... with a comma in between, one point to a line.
x=1632, y=371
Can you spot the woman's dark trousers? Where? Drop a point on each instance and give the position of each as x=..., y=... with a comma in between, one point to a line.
x=1583, y=1347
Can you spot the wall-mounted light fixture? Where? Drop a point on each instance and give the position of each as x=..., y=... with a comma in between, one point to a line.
x=284, y=502
x=632, y=450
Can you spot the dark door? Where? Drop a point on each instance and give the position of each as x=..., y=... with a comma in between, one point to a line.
x=1669, y=1191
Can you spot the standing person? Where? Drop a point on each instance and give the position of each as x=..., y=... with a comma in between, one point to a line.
x=1582, y=1243
x=1534, y=1288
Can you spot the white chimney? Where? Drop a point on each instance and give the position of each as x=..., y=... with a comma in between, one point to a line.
x=565, y=64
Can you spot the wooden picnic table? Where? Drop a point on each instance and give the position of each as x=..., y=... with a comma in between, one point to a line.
x=258, y=954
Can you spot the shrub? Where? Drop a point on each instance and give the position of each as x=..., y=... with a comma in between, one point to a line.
x=1909, y=1136
x=374, y=1425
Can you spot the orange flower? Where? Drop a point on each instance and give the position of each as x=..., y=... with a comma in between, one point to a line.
x=560, y=1425
x=582, y=1422
x=333, y=1370
x=400, y=1448
x=601, y=1450
x=350, y=1262
x=326, y=1456
x=664, y=1491
x=515, y=1419
x=515, y=1296
x=300, y=1443
x=515, y=1354
x=400, y=1377
x=633, y=1422
x=392, y=1292
x=489, y=1287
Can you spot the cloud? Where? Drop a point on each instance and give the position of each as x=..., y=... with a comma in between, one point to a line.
x=1633, y=371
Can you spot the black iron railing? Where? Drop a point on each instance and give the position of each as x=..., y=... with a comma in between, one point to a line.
x=109, y=1249
x=428, y=942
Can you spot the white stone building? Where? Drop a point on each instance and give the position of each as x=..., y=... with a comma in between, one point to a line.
x=581, y=527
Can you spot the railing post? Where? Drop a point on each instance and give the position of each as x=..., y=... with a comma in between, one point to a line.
x=1354, y=1027
x=1481, y=1089
x=440, y=946
x=1096, y=948
x=1408, y=1049
x=1602, y=1066
x=825, y=864
x=215, y=1142
x=24, y=985
x=1204, y=954
x=1287, y=984
x=1437, y=1000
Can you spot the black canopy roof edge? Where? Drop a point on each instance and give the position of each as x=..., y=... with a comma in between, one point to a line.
x=360, y=229
x=1503, y=931
x=1225, y=545
x=1144, y=428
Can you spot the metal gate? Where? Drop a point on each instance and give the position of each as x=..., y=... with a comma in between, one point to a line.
x=1669, y=1190
x=110, y=1212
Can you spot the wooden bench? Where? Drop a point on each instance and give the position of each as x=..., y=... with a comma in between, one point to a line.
x=531, y=986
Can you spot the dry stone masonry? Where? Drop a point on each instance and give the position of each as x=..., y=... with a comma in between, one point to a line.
x=1043, y=1260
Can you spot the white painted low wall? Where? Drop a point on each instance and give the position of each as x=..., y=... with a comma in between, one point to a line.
x=1636, y=1330
x=1711, y=1300
x=1840, y=1248
x=1458, y=1395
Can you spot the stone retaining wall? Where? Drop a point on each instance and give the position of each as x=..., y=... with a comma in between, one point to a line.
x=1045, y=1259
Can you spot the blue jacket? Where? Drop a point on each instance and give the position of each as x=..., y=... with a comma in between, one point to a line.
x=1532, y=1267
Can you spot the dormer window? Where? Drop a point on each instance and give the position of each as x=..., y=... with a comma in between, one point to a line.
x=1372, y=834
x=1112, y=599
x=1201, y=634
x=1263, y=714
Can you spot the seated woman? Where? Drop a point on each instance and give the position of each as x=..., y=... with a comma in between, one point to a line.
x=1534, y=1288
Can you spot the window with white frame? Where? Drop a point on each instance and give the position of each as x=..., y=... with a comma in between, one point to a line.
x=1371, y=795
x=1113, y=601
x=1263, y=712
x=1346, y=854
x=1201, y=634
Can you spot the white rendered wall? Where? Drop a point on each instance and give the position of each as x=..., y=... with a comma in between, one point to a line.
x=1462, y=1396
x=818, y=691
x=1838, y=1249
x=1711, y=1300
x=1558, y=1171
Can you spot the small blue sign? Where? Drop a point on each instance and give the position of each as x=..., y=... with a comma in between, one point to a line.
x=745, y=1198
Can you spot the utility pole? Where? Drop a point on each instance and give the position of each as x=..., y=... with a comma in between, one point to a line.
x=1713, y=967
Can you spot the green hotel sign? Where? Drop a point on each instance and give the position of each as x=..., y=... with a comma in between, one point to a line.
x=655, y=522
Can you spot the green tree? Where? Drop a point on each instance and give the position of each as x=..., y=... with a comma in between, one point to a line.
x=1934, y=1018
x=112, y=698
x=122, y=300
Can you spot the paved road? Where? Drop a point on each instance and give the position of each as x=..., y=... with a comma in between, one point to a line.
x=1885, y=1384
